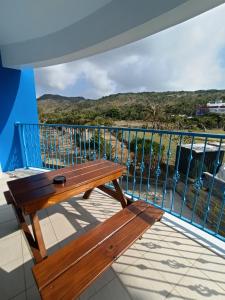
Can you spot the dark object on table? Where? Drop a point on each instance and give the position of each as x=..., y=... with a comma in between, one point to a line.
x=59, y=179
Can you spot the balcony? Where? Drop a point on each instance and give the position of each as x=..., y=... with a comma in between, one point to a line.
x=175, y=171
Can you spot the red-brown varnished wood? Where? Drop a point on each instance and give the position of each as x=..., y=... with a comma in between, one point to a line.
x=32, y=206
x=38, y=234
x=76, y=277
x=23, y=225
x=87, y=194
x=23, y=182
x=37, y=192
x=119, y=193
x=75, y=250
x=74, y=179
x=38, y=181
x=40, y=192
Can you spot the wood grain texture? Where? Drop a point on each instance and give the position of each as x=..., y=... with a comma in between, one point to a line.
x=24, y=227
x=74, y=251
x=38, y=234
x=83, y=260
x=32, y=206
x=38, y=191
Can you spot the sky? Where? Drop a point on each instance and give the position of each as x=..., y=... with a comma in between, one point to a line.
x=188, y=56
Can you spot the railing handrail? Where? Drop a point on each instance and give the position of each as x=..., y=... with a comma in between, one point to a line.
x=158, y=131
x=163, y=167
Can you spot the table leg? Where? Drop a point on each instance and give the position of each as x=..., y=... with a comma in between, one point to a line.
x=38, y=234
x=119, y=193
x=87, y=194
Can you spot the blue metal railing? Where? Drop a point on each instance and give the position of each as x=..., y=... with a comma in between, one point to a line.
x=165, y=168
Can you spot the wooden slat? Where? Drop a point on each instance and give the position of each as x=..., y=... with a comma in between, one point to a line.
x=34, y=220
x=32, y=206
x=23, y=225
x=71, y=283
x=71, y=172
x=74, y=251
x=22, y=182
x=8, y=197
x=72, y=182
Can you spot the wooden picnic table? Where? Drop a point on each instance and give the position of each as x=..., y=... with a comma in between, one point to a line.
x=30, y=194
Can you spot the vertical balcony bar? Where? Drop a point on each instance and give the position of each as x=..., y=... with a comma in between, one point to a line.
x=142, y=167
x=187, y=176
x=116, y=150
x=84, y=141
x=94, y=153
x=61, y=148
x=99, y=143
x=55, y=149
x=217, y=163
x=89, y=145
x=135, y=165
x=75, y=144
x=158, y=169
x=71, y=146
x=51, y=145
x=167, y=170
x=221, y=213
x=110, y=144
x=198, y=183
x=149, y=166
x=80, y=145
x=50, y=148
x=104, y=154
x=38, y=145
x=44, y=146
x=121, y=155
x=128, y=162
x=122, y=147
x=41, y=144
x=176, y=176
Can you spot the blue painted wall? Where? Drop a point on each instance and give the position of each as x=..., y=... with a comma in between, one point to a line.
x=17, y=104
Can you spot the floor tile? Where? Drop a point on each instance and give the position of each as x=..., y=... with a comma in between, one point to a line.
x=114, y=290
x=11, y=249
x=32, y=294
x=106, y=277
x=6, y=213
x=90, y=291
x=143, y=281
x=12, y=279
x=126, y=260
x=213, y=267
x=196, y=285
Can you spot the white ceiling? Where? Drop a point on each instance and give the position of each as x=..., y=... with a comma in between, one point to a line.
x=21, y=20
x=46, y=32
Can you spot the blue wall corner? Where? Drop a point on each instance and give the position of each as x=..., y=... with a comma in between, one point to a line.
x=17, y=104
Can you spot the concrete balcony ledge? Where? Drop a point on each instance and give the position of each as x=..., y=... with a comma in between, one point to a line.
x=168, y=263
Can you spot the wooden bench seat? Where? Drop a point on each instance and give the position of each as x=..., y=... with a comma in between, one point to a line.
x=70, y=270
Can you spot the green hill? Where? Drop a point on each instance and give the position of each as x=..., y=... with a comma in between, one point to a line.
x=154, y=107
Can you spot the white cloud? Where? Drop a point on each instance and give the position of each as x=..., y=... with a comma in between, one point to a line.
x=186, y=57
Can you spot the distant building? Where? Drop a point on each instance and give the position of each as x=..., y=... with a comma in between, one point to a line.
x=217, y=107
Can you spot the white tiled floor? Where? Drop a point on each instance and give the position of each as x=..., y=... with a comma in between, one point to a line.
x=163, y=264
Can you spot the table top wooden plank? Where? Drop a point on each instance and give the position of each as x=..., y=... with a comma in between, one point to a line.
x=70, y=175
x=39, y=179
x=71, y=183
x=71, y=283
x=33, y=206
x=75, y=250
